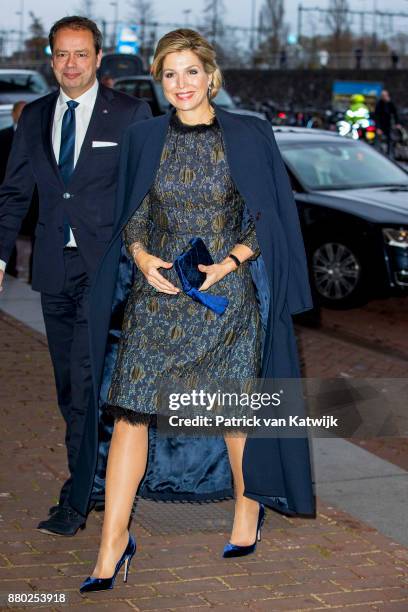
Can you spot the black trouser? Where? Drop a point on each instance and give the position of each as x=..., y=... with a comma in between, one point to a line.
x=66, y=323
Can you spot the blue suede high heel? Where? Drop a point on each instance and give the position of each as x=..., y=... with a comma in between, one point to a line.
x=103, y=584
x=233, y=550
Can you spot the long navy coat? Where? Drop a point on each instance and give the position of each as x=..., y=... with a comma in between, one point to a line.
x=277, y=470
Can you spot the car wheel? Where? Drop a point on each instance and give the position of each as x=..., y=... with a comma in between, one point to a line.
x=338, y=273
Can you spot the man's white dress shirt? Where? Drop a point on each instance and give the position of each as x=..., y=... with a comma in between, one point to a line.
x=83, y=114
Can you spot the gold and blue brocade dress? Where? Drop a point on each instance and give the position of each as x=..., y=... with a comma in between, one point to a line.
x=172, y=336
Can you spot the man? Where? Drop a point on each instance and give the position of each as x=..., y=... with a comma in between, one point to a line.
x=358, y=109
x=6, y=141
x=386, y=117
x=67, y=144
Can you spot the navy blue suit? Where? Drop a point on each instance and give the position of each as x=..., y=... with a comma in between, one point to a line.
x=277, y=470
x=87, y=201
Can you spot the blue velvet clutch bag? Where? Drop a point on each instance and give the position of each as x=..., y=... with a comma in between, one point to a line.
x=191, y=278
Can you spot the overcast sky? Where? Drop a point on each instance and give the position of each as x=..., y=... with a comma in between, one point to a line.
x=238, y=12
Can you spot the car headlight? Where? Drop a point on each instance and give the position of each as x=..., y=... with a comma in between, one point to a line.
x=396, y=237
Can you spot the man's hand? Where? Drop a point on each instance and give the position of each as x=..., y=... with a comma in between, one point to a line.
x=1, y=280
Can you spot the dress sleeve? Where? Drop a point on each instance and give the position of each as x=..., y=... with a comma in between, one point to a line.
x=138, y=227
x=247, y=234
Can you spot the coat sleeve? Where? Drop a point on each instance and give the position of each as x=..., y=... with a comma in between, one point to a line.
x=299, y=296
x=247, y=235
x=126, y=160
x=138, y=227
x=15, y=192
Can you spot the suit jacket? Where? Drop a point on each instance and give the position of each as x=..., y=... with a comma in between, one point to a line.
x=277, y=470
x=87, y=200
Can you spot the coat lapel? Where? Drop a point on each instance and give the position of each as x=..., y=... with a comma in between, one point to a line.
x=148, y=164
x=242, y=152
x=47, y=118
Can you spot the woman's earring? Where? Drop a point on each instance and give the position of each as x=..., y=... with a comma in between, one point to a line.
x=210, y=88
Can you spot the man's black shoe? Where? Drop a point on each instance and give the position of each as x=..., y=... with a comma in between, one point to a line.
x=64, y=522
x=53, y=509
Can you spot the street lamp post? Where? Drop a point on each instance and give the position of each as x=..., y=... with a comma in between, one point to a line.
x=21, y=32
x=187, y=17
x=115, y=5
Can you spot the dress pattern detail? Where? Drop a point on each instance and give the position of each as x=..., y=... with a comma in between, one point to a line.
x=166, y=336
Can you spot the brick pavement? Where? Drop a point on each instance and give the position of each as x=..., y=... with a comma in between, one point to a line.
x=367, y=342
x=334, y=562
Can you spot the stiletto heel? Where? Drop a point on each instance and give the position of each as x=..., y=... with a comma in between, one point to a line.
x=233, y=550
x=102, y=584
x=125, y=576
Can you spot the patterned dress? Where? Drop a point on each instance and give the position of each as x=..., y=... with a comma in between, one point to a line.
x=172, y=336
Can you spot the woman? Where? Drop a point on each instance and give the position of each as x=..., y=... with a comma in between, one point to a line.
x=193, y=190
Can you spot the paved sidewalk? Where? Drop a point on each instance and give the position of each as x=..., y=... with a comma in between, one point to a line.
x=333, y=562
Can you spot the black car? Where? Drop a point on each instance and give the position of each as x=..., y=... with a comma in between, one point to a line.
x=353, y=206
x=118, y=65
x=149, y=90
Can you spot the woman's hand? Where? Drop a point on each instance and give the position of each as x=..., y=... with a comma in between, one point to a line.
x=216, y=272
x=149, y=266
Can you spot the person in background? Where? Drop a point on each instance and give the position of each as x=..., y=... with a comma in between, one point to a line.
x=67, y=144
x=6, y=141
x=7, y=135
x=386, y=117
x=107, y=80
x=358, y=109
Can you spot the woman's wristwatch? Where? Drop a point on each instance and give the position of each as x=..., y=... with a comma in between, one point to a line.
x=235, y=258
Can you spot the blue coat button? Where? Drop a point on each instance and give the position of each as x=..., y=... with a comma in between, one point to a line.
x=66, y=195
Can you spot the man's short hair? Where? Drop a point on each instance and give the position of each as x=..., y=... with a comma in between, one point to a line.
x=75, y=22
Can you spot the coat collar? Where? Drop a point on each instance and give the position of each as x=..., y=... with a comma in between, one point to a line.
x=242, y=149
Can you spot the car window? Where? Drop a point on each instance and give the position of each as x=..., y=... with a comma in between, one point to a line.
x=224, y=99
x=340, y=165
x=16, y=82
x=163, y=102
x=6, y=120
x=143, y=90
x=127, y=87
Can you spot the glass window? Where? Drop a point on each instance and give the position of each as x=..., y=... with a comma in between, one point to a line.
x=224, y=99
x=6, y=120
x=143, y=90
x=163, y=102
x=340, y=165
x=16, y=82
x=127, y=87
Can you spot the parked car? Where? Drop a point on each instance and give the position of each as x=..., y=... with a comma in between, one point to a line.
x=119, y=65
x=18, y=84
x=353, y=206
x=149, y=90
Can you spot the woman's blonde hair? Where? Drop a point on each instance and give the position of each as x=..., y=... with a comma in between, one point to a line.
x=185, y=39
